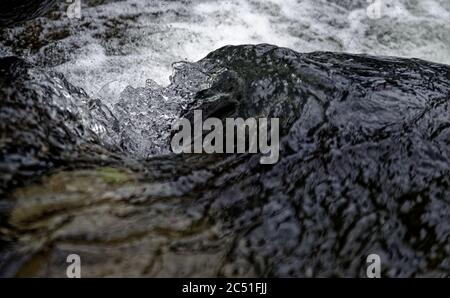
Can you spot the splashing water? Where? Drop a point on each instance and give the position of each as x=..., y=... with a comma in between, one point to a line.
x=121, y=52
x=359, y=171
x=145, y=114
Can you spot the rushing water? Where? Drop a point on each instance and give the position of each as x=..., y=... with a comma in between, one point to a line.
x=127, y=42
x=364, y=149
x=122, y=51
x=363, y=168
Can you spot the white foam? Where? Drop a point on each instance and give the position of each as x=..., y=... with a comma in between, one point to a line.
x=168, y=31
x=116, y=48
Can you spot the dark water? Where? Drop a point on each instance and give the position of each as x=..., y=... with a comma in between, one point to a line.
x=364, y=168
x=17, y=11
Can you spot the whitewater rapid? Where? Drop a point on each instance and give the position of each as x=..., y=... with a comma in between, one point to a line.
x=124, y=43
x=127, y=54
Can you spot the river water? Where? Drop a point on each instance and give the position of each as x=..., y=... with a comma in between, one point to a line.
x=123, y=52
x=121, y=43
x=364, y=157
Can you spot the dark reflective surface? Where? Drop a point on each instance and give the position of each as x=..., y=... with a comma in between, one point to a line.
x=364, y=168
x=16, y=11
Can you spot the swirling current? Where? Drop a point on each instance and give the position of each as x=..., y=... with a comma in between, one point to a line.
x=87, y=106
